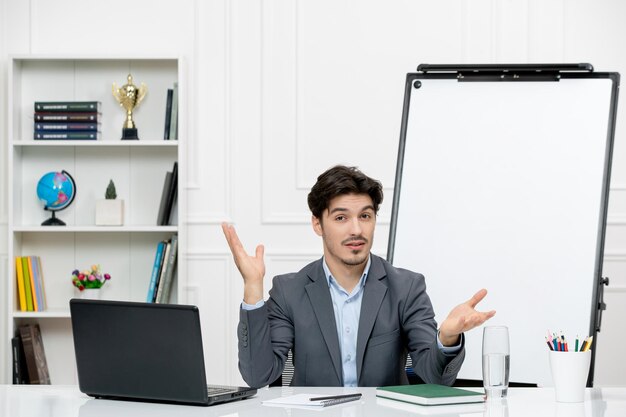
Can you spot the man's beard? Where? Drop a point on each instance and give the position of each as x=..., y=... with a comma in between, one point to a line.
x=356, y=261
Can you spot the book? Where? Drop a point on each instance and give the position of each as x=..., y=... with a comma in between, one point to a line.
x=161, y=220
x=67, y=117
x=40, y=276
x=168, y=113
x=156, y=268
x=168, y=196
x=33, y=285
x=67, y=135
x=171, y=195
x=465, y=410
x=55, y=126
x=35, y=268
x=19, y=277
x=174, y=116
x=20, y=371
x=174, y=214
x=429, y=394
x=159, y=285
x=166, y=247
x=71, y=106
x=27, y=288
x=168, y=275
x=34, y=353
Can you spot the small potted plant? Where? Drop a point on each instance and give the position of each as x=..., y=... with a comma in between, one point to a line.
x=110, y=211
x=89, y=281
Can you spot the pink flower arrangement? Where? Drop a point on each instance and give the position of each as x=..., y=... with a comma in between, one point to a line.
x=89, y=278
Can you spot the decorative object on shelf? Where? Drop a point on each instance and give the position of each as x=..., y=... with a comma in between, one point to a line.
x=56, y=190
x=129, y=96
x=67, y=120
x=110, y=211
x=89, y=281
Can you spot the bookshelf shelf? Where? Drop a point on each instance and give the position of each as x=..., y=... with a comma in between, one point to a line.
x=95, y=229
x=48, y=314
x=99, y=143
x=137, y=167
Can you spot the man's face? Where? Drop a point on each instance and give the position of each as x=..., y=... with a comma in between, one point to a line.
x=347, y=229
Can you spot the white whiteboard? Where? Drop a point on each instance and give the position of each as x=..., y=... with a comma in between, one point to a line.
x=502, y=186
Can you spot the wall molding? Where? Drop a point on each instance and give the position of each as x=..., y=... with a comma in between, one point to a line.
x=207, y=219
x=4, y=350
x=206, y=255
x=294, y=218
x=616, y=220
x=615, y=256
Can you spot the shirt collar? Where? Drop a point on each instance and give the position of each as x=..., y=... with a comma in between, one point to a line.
x=363, y=277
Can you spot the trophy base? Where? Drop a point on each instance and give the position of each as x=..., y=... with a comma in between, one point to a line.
x=129, y=133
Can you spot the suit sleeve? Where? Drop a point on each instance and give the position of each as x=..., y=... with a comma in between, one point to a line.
x=265, y=337
x=420, y=329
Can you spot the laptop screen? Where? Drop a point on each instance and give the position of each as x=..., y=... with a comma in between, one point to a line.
x=139, y=350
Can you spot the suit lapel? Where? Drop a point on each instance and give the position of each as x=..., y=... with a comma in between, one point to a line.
x=373, y=294
x=319, y=295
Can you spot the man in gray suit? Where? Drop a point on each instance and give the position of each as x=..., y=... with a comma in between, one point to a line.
x=349, y=318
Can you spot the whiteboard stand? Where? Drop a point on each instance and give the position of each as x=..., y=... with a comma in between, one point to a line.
x=502, y=183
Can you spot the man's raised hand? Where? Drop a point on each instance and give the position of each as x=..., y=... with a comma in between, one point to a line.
x=462, y=318
x=252, y=268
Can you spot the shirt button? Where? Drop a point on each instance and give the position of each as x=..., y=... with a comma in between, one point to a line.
x=348, y=357
x=347, y=330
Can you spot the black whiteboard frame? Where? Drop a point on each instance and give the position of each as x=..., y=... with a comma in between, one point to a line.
x=522, y=73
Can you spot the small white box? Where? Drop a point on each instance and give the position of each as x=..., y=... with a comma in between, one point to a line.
x=109, y=212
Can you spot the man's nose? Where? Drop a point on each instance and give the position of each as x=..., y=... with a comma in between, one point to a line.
x=355, y=227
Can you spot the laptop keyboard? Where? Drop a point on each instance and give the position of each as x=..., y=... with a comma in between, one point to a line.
x=219, y=389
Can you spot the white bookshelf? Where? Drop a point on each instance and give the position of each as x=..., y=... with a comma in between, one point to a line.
x=137, y=167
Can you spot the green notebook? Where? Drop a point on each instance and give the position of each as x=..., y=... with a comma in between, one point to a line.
x=430, y=394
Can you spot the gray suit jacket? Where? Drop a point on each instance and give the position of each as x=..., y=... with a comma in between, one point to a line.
x=396, y=317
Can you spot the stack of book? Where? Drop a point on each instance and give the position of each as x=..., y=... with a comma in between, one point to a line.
x=29, y=358
x=171, y=114
x=30, y=288
x=163, y=271
x=67, y=120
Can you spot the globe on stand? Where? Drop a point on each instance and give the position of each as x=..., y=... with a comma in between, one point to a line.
x=57, y=191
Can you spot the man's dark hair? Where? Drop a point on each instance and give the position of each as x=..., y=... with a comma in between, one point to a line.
x=341, y=180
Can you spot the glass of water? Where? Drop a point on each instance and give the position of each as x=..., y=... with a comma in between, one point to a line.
x=496, y=361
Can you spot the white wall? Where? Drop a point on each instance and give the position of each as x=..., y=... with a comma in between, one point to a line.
x=283, y=89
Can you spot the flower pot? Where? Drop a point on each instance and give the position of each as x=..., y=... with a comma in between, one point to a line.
x=90, y=294
x=109, y=212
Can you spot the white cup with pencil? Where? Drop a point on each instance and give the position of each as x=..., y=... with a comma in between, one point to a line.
x=570, y=367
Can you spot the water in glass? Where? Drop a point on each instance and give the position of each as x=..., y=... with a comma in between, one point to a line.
x=496, y=374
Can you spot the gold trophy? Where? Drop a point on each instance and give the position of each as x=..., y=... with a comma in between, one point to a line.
x=129, y=97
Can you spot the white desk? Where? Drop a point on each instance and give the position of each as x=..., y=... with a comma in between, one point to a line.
x=67, y=401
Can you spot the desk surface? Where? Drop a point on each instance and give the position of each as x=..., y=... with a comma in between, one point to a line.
x=67, y=401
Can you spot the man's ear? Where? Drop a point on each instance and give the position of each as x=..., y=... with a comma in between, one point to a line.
x=317, y=225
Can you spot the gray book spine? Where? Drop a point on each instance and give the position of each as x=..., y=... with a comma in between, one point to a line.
x=171, y=270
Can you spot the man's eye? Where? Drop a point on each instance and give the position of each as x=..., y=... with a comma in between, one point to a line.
x=340, y=218
x=366, y=216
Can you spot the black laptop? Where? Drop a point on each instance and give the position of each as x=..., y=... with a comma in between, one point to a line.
x=143, y=351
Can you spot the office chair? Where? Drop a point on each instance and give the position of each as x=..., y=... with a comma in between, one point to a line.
x=285, y=379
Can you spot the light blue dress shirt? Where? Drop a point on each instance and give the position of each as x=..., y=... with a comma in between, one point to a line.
x=347, y=307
